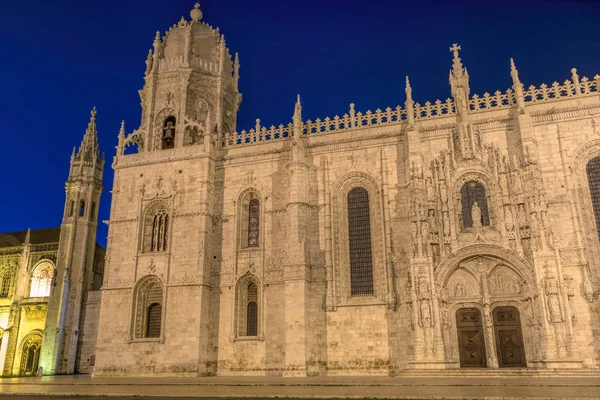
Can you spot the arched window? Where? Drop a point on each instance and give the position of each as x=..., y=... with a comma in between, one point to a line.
x=247, y=314
x=593, y=176
x=82, y=208
x=5, y=281
x=41, y=280
x=156, y=229
x=71, y=207
x=359, y=235
x=252, y=311
x=474, y=202
x=30, y=353
x=148, y=306
x=168, y=136
x=93, y=212
x=248, y=224
x=253, y=222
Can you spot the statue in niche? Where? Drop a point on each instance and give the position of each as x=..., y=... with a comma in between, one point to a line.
x=430, y=190
x=476, y=216
x=554, y=308
x=431, y=221
x=459, y=290
x=425, y=313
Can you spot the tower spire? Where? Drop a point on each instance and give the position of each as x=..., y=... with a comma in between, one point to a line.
x=517, y=86
x=89, y=145
x=459, y=81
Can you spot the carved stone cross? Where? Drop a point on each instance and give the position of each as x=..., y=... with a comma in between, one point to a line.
x=455, y=48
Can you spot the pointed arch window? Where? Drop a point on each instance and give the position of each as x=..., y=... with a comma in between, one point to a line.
x=359, y=237
x=41, y=280
x=71, y=208
x=247, y=315
x=252, y=311
x=473, y=198
x=249, y=224
x=5, y=283
x=593, y=177
x=156, y=229
x=82, y=208
x=93, y=211
x=148, y=308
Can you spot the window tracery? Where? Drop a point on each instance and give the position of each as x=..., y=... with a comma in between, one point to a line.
x=5, y=283
x=156, y=229
x=474, y=205
x=249, y=225
x=41, y=280
x=253, y=222
x=148, y=307
x=593, y=177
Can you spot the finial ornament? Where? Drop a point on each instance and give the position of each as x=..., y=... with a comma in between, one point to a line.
x=93, y=112
x=514, y=73
x=456, y=63
x=408, y=90
x=297, y=119
x=122, y=130
x=455, y=48
x=196, y=14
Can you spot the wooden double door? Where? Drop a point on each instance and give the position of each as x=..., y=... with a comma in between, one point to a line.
x=507, y=330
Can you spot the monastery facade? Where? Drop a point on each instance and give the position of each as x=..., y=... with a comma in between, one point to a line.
x=453, y=234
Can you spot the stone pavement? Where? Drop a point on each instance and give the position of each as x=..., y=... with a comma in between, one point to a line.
x=434, y=386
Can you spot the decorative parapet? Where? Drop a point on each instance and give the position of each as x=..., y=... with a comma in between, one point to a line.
x=355, y=120
x=488, y=102
x=571, y=88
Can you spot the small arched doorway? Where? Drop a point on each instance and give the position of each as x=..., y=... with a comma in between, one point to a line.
x=509, y=338
x=30, y=353
x=471, y=344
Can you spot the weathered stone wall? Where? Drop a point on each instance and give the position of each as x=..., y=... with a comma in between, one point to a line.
x=86, y=356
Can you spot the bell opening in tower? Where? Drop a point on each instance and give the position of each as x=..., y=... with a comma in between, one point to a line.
x=168, y=139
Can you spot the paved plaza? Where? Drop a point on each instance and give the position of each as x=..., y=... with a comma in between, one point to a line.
x=434, y=386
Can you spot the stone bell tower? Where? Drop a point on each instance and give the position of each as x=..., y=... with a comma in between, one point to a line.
x=75, y=258
x=190, y=81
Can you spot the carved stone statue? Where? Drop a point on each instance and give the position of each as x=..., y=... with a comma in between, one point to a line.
x=554, y=309
x=476, y=215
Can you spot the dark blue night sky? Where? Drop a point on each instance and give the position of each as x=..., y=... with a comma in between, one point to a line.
x=60, y=58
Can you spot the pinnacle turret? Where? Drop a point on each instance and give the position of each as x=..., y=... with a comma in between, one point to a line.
x=298, y=112
x=514, y=73
x=88, y=150
x=459, y=81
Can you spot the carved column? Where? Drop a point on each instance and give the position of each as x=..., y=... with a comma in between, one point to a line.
x=328, y=238
x=389, y=273
x=296, y=268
